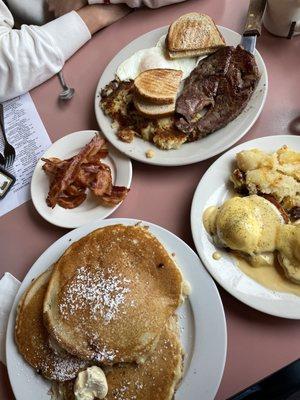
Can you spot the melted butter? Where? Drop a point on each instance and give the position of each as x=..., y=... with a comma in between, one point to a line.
x=186, y=288
x=272, y=277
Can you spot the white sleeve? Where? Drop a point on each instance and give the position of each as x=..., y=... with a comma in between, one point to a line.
x=33, y=54
x=137, y=3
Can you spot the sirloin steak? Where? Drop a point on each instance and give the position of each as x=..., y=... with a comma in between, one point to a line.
x=223, y=82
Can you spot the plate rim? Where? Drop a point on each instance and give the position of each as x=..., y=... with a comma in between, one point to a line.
x=195, y=226
x=169, y=163
x=34, y=199
x=60, y=245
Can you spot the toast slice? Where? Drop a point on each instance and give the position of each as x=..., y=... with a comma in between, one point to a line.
x=158, y=86
x=193, y=34
x=192, y=53
x=153, y=110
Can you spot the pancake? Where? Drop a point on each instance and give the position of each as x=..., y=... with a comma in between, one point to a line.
x=32, y=338
x=156, y=379
x=110, y=295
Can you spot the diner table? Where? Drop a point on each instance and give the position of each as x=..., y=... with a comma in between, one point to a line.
x=258, y=344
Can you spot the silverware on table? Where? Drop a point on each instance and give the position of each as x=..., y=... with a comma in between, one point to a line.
x=9, y=150
x=2, y=159
x=67, y=92
x=253, y=24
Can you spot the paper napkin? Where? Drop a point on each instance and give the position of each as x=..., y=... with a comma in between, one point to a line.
x=9, y=286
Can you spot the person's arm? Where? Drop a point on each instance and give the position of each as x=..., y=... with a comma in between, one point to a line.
x=138, y=3
x=31, y=55
x=99, y=16
x=61, y=7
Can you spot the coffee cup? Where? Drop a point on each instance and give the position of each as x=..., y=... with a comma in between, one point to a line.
x=282, y=17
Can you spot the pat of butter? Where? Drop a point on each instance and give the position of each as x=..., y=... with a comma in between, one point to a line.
x=90, y=383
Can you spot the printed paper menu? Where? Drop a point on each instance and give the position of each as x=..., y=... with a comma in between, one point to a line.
x=26, y=132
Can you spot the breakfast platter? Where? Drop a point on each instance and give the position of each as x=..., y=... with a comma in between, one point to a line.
x=139, y=149
x=201, y=318
x=88, y=210
x=213, y=190
x=121, y=308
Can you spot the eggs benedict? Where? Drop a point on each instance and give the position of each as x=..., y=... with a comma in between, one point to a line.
x=245, y=224
x=254, y=229
x=288, y=247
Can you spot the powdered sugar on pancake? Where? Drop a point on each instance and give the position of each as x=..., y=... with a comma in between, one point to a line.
x=102, y=295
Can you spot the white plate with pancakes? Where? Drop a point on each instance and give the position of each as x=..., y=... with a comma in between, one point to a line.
x=91, y=208
x=213, y=189
x=201, y=318
x=188, y=153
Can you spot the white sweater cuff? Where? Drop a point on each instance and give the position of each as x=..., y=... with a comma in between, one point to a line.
x=68, y=32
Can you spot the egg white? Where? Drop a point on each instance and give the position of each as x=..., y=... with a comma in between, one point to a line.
x=154, y=57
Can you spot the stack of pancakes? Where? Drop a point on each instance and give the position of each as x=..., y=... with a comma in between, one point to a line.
x=110, y=301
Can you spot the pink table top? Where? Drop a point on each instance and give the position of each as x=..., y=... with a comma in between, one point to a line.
x=258, y=344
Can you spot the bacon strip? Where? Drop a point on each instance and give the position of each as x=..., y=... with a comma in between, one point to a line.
x=117, y=195
x=71, y=178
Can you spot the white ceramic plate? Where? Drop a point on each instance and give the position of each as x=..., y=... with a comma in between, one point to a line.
x=90, y=209
x=203, y=326
x=189, y=153
x=213, y=189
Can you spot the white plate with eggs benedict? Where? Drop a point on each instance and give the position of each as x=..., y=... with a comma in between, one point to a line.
x=249, y=239
x=148, y=52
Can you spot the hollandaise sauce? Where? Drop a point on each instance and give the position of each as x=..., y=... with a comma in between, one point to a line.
x=272, y=277
x=266, y=249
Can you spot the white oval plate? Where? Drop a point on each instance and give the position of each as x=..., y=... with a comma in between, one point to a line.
x=213, y=189
x=202, y=319
x=188, y=153
x=90, y=209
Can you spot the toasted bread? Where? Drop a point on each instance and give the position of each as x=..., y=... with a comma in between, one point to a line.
x=152, y=110
x=159, y=85
x=193, y=35
x=191, y=53
x=118, y=107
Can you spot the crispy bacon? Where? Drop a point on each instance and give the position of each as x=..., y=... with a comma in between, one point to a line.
x=54, y=165
x=71, y=201
x=117, y=195
x=71, y=178
x=103, y=182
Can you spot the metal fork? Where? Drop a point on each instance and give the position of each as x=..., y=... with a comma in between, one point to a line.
x=67, y=92
x=9, y=150
x=2, y=159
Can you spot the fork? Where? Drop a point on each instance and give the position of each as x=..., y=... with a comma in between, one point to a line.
x=2, y=159
x=67, y=92
x=9, y=150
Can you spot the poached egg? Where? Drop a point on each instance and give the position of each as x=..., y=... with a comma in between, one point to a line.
x=255, y=228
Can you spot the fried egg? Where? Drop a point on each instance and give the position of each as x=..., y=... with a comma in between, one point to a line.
x=154, y=57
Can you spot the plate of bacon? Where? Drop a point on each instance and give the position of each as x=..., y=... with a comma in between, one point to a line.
x=80, y=178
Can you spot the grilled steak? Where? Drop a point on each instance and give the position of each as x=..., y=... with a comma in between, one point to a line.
x=223, y=82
